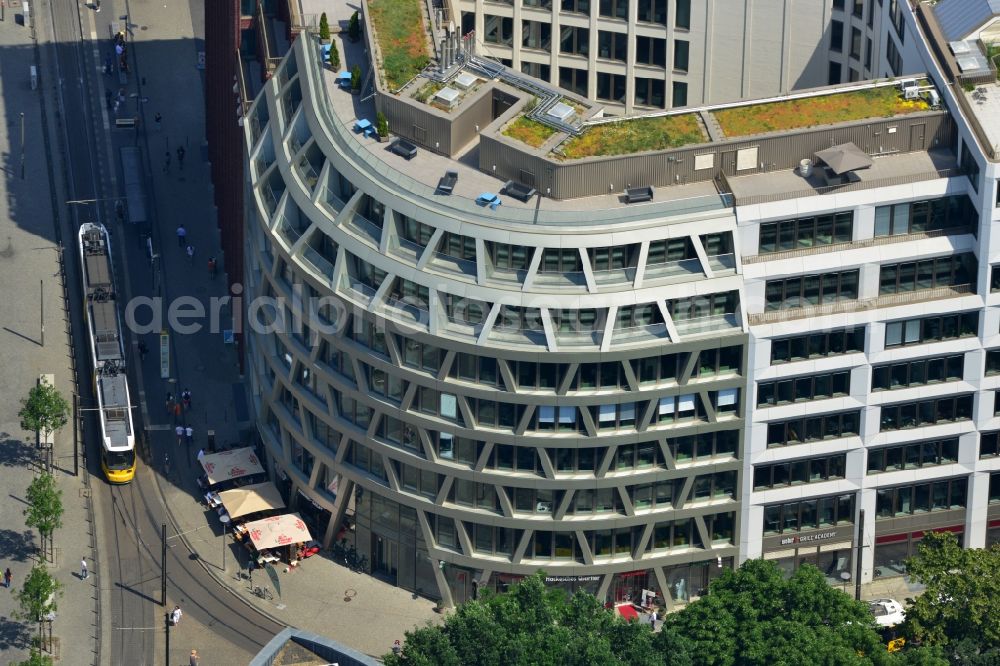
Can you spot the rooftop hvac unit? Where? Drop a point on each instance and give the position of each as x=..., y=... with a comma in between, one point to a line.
x=906, y=84
x=911, y=93
x=935, y=98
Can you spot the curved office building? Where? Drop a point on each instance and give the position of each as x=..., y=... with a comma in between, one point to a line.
x=471, y=393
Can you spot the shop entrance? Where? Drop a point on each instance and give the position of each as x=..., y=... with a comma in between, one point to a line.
x=385, y=557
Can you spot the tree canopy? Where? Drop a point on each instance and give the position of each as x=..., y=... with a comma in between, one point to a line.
x=45, y=507
x=37, y=597
x=960, y=609
x=750, y=616
x=45, y=410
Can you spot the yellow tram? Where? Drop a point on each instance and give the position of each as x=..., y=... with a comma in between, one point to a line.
x=107, y=355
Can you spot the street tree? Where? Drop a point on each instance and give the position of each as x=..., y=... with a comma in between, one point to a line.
x=36, y=658
x=37, y=597
x=530, y=624
x=354, y=27
x=754, y=615
x=960, y=609
x=45, y=510
x=44, y=411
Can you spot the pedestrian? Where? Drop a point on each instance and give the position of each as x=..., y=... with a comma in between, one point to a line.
x=186, y=397
x=158, y=119
x=170, y=404
x=195, y=659
x=211, y=267
x=180, y=157
x=175, y=615
x=7, y=577
x=201, y=454
x=190, y=253
x=97, y=5
x=179, y=431
x=84, y=574
x=166, y=162
x=107, y=99
x=177, y=412
x=143, y=350
x=189, y=434
x=181, y=234
x=653, y=618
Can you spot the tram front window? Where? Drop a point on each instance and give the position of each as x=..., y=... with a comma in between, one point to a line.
x=119, y=460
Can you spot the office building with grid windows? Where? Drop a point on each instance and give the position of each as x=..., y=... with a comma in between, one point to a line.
x=475, y=355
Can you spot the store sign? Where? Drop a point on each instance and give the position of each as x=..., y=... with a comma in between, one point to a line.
x=807, y=538
x=571, y=579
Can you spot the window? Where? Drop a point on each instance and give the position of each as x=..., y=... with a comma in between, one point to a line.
x=868, y=54
x=805, y=388
x=614, y=8
x=811, y=290
x=871, y=13
x=651, y=51
x=837, y=36
x=818, y=345
x=683, y=18
x=989, y=444
x=893, y=57
x=953, y=270
x=855, y=43
x=809, y=514
x=692, y=448
x=574, y=40
x=859, y=8
x=536, y=35
x=994, y=276
x=653, y=11
x=498, y=30
x=708, y=305
x=576, y=6
x=920, y=498
x=572, y=79
x=718, y=361
x=681, y=54
x=798, y=472
x=912, y=456
x=833, y=74
x=916, y=217
x=926, y=412
x=896, y=18
x=612, y=45
x=611, y=87
x=917, y=372
x=813, y=428
x=649, y=92
x=679, y=94
x=970, y=167
x=806, y=232
x=838, y=5
x=510, y=257
x=931, y=329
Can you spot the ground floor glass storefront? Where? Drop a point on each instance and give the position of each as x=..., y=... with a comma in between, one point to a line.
x=892, y=550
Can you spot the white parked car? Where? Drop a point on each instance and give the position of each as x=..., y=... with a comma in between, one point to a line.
x=887, y=612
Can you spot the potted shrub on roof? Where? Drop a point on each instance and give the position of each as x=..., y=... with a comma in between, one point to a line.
x=354, y=27
x=381, y=126
x=333, y=57
x=355, y=80
x=324, y=29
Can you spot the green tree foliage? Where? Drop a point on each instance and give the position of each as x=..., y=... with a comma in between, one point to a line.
x=44, y=410
x=755, y=616
x=334, y=56
x=37, y=597
x=324, y=27
x=36, y=658
x=356, y=78
x=354, y=27
x=382, y=124
x=960, y=609
x=45, y=507
x=531, y=624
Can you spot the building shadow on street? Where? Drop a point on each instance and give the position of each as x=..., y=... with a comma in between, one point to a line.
x=15, y=452
x=13, y=635
x=16, y=546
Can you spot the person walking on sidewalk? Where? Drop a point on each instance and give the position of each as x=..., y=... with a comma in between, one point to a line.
x=181, y=236
x=143, y=350
x=177, y=412
x=7, y=578
x=195, y=660
x=179, y=431
x=180, y=157
x=186, y=397
x=170, y=404
x=190, y=253
x=189, y=435
x=211, y=267
x=158, y=119
x=84, y=574
x=166, y=162
x=175, y=615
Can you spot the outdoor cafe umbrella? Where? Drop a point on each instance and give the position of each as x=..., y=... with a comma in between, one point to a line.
x=844, y=157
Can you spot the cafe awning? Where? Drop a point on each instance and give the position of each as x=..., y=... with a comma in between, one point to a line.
x=231, y=465
x=278, y=531
x=844, y=157
x=627, y=612
x=251, y=499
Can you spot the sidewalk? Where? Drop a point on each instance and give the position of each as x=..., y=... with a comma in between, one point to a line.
x=29, y=257
x=320, y=596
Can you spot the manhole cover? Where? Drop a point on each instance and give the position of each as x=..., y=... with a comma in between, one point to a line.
x=143, y=27
x=349, y=594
